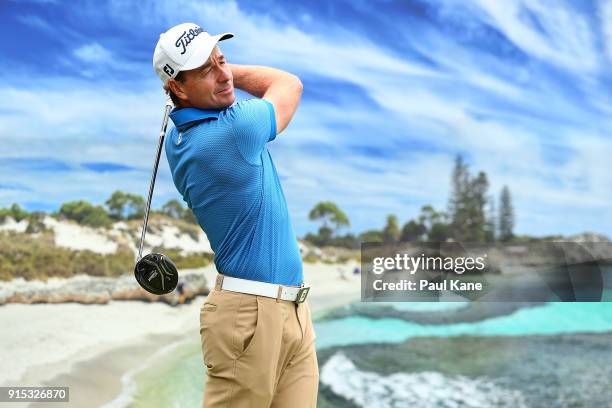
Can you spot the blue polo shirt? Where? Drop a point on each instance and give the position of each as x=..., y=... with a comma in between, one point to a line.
x=221, y=166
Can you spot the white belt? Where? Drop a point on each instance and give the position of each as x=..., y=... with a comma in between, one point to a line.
x=295, y=294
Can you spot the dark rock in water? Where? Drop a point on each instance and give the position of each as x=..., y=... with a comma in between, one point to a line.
x=327, y=399
x=96, y=290
x=471, y=312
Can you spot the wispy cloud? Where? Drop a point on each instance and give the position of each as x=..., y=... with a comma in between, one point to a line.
x=105, y=167
x=14, y=186
x=33, y=164
x=551, y=32
x=36, y=22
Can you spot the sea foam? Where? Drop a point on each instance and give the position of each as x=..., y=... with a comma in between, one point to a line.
x=424, y=389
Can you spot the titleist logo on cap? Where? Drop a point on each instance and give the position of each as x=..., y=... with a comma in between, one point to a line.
x=186, y=38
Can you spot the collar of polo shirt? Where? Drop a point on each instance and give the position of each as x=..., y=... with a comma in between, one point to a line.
x=187, y=117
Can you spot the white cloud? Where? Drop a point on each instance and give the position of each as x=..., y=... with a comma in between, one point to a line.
x=36, y=22
x=93, y=53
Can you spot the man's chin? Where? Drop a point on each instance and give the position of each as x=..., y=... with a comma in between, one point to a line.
x=228, y=101
x=219, y=103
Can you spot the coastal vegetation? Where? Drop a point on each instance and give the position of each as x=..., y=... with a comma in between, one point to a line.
x=22, y=255
x=37, y=257
x=32, y=253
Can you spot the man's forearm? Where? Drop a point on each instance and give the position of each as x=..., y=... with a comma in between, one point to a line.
x=282, y=89
x=257, y=79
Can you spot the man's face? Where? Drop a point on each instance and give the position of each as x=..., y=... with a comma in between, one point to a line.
x=210, y=86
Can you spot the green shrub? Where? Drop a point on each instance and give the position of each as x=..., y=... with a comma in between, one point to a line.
x=15, y=212
x=311, y=258
x=86, y=213
x=35, y=222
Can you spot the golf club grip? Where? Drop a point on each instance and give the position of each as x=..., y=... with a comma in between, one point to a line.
x=160, y=145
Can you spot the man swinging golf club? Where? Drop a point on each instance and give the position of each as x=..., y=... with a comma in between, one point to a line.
x=255, y=326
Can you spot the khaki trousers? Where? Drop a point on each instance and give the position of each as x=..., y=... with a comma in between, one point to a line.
x=258, y=351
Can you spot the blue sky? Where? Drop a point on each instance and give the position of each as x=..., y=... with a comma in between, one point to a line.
x=393, y=91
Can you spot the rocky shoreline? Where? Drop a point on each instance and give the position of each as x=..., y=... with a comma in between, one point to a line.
x=95, y=290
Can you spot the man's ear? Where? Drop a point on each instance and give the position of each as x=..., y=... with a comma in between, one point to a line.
x=177, y=88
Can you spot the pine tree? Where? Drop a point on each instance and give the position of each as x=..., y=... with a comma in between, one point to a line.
x=490, y=226
x=457, y=201
x=477, y=194
x=506, y=216
x=467, y=204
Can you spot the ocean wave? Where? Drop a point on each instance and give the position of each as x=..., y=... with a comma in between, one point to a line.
x=424, y=389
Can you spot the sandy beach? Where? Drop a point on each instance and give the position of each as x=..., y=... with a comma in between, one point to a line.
x=96, y=349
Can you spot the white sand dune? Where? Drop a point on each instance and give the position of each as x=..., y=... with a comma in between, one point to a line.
x=69, y=234
x=80, y=237
x=74, y=236
x=10, y=224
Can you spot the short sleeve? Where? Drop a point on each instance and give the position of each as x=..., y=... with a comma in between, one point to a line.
x=254, y=125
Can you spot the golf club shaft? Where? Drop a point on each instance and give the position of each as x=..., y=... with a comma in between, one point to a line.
x=160, y=145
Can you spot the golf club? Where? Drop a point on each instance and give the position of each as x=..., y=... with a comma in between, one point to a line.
x=155, y=272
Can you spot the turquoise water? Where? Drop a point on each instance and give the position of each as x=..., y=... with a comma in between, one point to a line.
x=178, y=381
x=551, y=318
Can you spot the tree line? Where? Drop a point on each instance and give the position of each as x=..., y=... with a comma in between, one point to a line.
x=120, y=206
x=471, y=216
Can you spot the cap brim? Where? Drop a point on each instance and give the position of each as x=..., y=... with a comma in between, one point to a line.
x=201, y=55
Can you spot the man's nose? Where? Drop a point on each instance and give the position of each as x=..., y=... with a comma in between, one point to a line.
x=224, y=74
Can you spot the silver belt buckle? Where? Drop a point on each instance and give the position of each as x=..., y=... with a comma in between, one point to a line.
x=301, y=295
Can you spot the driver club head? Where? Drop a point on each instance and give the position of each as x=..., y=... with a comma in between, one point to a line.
x=156, y=273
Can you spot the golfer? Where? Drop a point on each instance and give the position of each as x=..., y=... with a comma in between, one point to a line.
x=258, y=342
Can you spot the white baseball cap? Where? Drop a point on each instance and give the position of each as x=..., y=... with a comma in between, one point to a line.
x=183, y=47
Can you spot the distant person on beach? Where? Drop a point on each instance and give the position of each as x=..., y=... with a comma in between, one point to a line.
x=180, y=289
x=258, y=341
